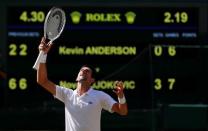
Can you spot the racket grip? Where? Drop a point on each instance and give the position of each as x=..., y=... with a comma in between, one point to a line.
x=37, y=62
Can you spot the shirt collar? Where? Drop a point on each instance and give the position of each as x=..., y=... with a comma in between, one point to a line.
x=86, y=93
x=90, y=90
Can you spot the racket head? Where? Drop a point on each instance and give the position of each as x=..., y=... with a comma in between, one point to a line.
x=54, y=23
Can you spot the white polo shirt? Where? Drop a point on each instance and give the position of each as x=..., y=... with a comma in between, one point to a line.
x=83, y=113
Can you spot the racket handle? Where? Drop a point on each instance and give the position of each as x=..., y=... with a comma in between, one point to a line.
x=37, y=62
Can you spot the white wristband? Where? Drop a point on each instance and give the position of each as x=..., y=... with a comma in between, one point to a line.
x=122, y=100
x=43, y=58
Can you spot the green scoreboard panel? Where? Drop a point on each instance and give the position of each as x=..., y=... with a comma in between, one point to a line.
x=155, y=50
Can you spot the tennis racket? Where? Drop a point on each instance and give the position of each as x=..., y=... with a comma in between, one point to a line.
x=53, y=27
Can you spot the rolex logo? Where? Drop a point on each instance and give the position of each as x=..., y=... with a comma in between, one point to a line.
x=75, y=17
x=130, y=17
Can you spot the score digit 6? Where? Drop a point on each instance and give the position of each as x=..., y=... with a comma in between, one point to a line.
x=13, y=83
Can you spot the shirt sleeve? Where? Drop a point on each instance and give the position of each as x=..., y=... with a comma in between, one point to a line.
x=107, y=102
x=62, y=93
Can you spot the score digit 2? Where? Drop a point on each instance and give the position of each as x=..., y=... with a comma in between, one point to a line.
x=17, y=50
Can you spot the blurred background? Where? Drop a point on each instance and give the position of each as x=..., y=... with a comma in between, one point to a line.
x=158, y=48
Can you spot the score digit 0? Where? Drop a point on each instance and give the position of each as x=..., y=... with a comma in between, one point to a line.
x=158, y=50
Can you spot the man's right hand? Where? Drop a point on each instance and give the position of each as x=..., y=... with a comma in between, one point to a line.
x=44, y=46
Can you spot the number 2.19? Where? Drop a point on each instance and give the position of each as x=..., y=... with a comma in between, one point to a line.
x=178, y=17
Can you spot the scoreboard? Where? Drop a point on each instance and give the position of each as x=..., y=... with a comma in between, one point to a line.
x=155, y=50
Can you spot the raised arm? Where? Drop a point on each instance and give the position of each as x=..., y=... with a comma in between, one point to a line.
x=120, y=107
x=42, y=77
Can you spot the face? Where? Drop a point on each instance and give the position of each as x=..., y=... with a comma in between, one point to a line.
x=85, y=74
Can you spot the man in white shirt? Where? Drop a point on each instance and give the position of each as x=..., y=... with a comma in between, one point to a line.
x=83, y=106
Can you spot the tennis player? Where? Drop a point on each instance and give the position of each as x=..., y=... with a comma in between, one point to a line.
x=83, y=105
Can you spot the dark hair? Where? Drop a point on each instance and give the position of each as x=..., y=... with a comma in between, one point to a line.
x=91, y=68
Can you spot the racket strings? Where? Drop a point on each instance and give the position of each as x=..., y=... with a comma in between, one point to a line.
x=54, y=23
x=59, y=16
